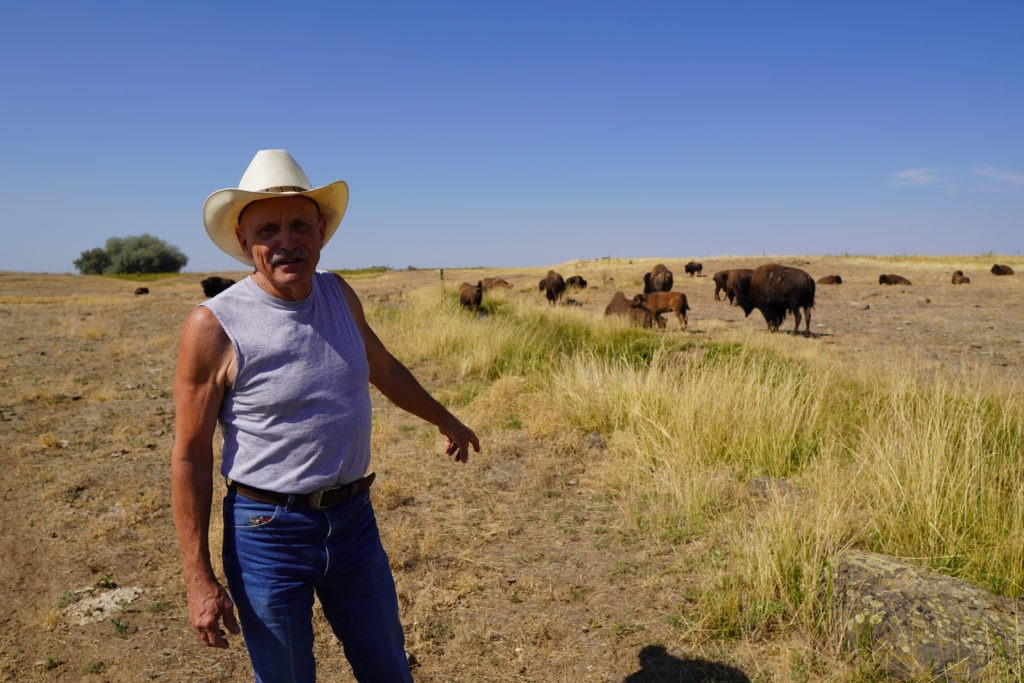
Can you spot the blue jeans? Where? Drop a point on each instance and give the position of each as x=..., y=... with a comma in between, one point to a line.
x=277, y=557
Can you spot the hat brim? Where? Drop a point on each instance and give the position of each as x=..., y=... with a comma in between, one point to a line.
x=223, y=207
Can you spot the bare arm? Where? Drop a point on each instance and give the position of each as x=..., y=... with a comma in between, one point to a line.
x=398, y=384
x=205, y=365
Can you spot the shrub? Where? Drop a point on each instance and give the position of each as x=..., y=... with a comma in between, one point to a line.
x=132, y=255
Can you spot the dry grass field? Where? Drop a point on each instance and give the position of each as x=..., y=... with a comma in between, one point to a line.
x=616, y=525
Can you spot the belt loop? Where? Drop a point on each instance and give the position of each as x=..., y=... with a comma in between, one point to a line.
x=290, y=505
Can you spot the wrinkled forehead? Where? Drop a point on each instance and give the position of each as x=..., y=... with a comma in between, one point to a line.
x=287, y=203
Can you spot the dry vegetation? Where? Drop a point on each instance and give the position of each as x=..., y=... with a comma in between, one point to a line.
x=650, y=505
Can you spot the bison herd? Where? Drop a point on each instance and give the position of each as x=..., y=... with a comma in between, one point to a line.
x=773, y=289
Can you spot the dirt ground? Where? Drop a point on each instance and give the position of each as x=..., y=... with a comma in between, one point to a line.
x=512, y=568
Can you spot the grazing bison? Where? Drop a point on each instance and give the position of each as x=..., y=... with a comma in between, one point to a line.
x=775, y=290
x=890, y=279
x=725, y=280
x=1001, y=270
x=553, y=287
x=664, y=302
x=694, y=268
x=576, y=282
x=141, y=290
x=637, y=314
x=658, y=280
x=830, y=280
x=212, y=286
x=495, y=283
x=960, y=279
x=470, y=296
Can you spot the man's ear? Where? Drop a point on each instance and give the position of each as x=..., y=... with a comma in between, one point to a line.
x=322, y=226
x=242, y=242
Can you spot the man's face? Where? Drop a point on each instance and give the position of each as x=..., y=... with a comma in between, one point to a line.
x=283, y=237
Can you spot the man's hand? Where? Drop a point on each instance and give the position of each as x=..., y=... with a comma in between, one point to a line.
x=206, y=608
x=458, y=440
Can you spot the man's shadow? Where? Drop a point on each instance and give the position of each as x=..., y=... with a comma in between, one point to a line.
x=658, y=666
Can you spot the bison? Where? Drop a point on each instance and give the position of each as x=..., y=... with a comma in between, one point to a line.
x=141, y=290
x=658, y=280
x=775, y=290
x=664, y=302
x=495, y=283
x=830, y=280
x=553, y=287
x=891, y=279
x=576, y=282
x=960, y=279
x=694, y=268
x=637, y=314
x=725, y=280
x=213, y=285
x=470, y=296
x=1001, y=270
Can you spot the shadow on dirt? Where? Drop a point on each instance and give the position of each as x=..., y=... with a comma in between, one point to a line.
x=658, y=666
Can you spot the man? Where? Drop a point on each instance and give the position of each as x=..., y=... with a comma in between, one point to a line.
x=282, y=361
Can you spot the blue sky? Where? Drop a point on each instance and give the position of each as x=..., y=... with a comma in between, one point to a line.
x=521, y=134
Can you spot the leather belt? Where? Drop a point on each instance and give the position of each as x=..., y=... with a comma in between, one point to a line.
x=319, y=499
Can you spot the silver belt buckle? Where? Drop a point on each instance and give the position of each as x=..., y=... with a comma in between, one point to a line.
x=316, y=497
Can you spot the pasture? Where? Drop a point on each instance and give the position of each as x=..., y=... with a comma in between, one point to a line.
x=622, y=521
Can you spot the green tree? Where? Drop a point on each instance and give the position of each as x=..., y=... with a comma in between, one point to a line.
x=130, y=255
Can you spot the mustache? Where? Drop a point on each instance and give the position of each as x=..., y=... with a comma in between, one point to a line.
x=295, y=254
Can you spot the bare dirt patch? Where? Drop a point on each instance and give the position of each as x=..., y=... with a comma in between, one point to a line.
x=516, y=567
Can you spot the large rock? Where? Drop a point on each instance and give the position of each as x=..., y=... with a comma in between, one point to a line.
x=912, y=622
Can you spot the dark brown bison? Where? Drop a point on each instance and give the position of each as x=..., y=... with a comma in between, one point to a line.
x=553, y=287
x=213, y=285
x=830, y=280
x=637, y=314
x=495, y=283
x=694, y=268
x=960, y=279
x=775, y=290
x=470, y=296
x=576, y=282
x=1001, y=270
x=658, y=280
x=725, y=281
x=891, y=279
x=141, y=290
x=664, y=302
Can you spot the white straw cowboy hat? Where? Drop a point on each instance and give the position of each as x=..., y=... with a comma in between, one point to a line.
x=271, y=173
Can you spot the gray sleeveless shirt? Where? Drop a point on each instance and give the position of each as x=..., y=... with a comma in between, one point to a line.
x=298, y=415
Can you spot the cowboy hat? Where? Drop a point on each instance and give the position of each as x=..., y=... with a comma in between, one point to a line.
x=271, y=173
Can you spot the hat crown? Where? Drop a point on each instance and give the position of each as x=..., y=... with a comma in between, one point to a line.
x=274, y=170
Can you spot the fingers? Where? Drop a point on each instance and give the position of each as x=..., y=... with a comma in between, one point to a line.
x=459, y=447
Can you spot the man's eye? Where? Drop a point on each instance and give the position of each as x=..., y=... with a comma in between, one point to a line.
x=302, y=227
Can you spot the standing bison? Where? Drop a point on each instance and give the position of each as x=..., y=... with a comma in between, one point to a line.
x=637, y=314
x=960, y=279
x=553, y=287
x=471, y=296
x=1001, y=270
x=725, y=280
x=775, y=290
x=694, y=268
x=664, y=302
x=658, y=280
x=891, y=279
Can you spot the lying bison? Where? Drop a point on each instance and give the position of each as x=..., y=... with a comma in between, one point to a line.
x=664, y=302
x=775, y=290
x=830, y=280
x=637, y=314
x=576, y=282
x=891, y=279
x=553, y=287
x=960, y=279
x=725, y=280
x=694, y=268
x=495, y=283
x=213, y=285
x=1001, y=270
x=141, y=290
x=658, y=280
x=470, y=296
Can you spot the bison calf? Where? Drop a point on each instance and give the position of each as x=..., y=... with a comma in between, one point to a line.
x=664, y=302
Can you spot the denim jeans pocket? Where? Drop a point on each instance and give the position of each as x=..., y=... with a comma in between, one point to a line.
x=249, y=514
